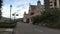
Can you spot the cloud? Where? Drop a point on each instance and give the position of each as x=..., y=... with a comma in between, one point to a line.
x=18, y=6
x=6, y=11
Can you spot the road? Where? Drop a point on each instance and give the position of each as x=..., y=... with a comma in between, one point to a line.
x=24, y=28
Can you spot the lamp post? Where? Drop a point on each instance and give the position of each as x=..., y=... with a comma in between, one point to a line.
x=14, y=20
x=10, y=11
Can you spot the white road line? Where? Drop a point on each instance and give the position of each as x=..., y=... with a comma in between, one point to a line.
x=38, y=30
x=9, y=30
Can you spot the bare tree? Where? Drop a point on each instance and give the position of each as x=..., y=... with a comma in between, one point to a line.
x=1, y=1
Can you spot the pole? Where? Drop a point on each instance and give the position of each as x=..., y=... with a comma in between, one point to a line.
x=14, y=17
x=10, y=12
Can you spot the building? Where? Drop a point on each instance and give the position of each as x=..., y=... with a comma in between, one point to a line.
x=25, y=17
x=51, y=4
x=33, y=11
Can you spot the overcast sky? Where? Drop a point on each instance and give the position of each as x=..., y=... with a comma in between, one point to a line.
x=18, y=6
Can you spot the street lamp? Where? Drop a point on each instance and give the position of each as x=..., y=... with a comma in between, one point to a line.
x=10, y=11
x=14, y=20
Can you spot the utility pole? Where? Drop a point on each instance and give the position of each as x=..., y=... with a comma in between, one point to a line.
x=10, y=11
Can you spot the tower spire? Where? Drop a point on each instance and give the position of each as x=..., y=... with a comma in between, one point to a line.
x=38, y=2
x=29, y=4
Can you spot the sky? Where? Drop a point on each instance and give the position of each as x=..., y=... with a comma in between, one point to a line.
x=18, y=7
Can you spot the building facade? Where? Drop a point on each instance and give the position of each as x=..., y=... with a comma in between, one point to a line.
x=33, y=11
x=51, y=4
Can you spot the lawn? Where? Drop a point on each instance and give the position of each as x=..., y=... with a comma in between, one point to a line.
x=7, y=25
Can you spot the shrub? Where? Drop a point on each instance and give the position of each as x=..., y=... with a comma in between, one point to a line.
x=7, y=25
x=50, y=17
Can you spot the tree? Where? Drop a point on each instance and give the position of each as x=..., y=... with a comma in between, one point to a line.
x=0, y=8
x=50, y=16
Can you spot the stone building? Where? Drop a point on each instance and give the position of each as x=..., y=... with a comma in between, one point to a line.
x=25, y=18
x=33, y=11
x=51, y=4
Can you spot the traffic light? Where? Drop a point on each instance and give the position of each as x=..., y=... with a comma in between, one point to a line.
x=14, y=15
x=17, y=15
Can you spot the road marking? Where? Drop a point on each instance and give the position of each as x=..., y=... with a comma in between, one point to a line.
x=38, y=30
x=9, y=30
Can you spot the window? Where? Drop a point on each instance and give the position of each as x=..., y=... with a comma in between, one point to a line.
x=59, y=2
x=55, y=0
x=32, y=13
x=55, y=4
x=50, y=1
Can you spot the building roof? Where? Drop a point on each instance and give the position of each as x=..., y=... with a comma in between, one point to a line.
x=33, y=7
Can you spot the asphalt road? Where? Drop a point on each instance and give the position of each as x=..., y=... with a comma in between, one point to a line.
x=23, y=28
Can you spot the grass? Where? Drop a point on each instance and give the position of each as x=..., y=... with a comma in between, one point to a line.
x=7, y=25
